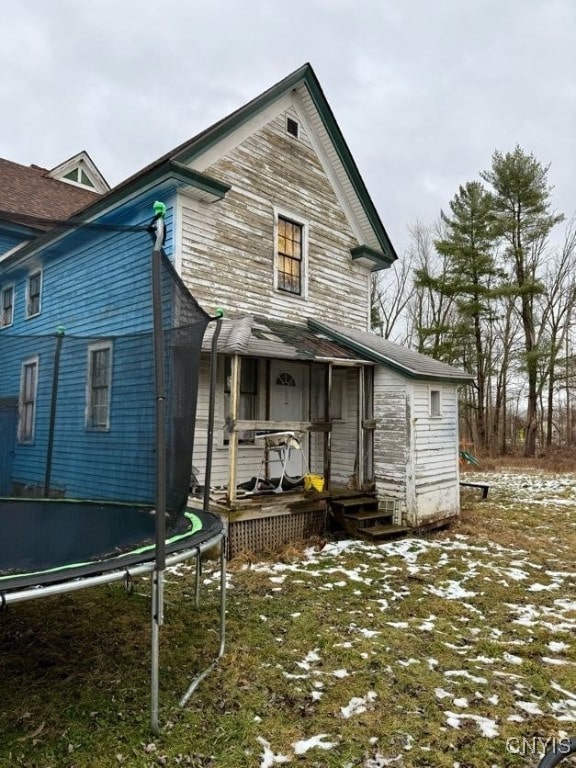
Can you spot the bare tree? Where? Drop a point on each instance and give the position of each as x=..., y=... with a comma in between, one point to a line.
x=392, y=291
x=556, y=307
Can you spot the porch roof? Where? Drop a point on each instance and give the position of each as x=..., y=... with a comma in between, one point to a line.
x=255, y=336
x=405, y=361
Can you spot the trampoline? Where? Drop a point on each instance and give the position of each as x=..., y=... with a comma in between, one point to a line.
x=101, y=492
x=51, y=542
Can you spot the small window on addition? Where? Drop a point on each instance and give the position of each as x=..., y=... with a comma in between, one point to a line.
x=292, y=127
x=435, y=403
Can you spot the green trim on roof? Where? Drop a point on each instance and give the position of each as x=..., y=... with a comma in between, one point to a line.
x=376, y=357
x=379, y=259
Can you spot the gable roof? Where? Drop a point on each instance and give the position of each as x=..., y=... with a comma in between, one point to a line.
x=405, y=361
x=377, y=246
x=29, y=193
x=80, y=169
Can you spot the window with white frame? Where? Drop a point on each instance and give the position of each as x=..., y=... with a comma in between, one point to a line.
x=7, y=308
x=99, y=386
x=33, y=293
x=435, y=403
x=290, y=253
x=248, y=402
x=27, y=405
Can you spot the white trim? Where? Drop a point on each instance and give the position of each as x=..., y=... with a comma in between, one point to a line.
x=28, y=361
x=91, y=348
x=297, y=218
x=29, y=276
x=3, y=289
x=80, y=162
x=178, y=234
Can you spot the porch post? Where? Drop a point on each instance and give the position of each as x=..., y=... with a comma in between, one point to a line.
x=360, y=434
x=328, y=433
x=233, y=440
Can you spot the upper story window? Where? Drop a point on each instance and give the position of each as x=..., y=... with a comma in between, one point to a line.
x=7, y=309
x=290, y=256
x=33, y=293
x=28, y=387
x=99, y=385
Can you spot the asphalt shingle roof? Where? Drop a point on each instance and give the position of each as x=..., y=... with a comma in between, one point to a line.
x=385, y=352
x=28, y=190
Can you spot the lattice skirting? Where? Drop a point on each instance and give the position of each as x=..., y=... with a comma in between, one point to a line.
x=269, y=534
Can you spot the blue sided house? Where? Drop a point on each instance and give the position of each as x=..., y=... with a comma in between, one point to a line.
x=77, y=385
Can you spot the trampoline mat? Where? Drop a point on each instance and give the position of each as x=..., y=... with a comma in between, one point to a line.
x=48, y=540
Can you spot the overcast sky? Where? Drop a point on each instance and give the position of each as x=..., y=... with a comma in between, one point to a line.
x=424, y=91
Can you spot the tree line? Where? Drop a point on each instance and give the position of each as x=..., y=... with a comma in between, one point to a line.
x=488, y=289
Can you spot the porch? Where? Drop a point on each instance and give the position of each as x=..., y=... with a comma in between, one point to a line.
x=268, y=522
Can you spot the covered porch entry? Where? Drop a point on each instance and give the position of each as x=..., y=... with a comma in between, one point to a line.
x=278, y=377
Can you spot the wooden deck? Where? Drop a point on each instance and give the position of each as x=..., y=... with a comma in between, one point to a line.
x=265, y=522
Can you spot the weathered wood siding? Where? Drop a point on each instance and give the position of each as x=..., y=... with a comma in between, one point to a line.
x=391, y=437
x=435, y=453
x=227, y=249
x=249, y=456
x=345, y=433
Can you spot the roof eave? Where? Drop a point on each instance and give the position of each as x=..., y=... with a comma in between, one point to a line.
x=208, y=188
x=376, y=260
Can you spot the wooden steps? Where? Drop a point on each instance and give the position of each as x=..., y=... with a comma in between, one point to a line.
x=376, y=532
x=366, y=517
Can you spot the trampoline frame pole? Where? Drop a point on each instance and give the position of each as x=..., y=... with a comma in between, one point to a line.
x=211, y=409
x=160, y=393
x=199, y=677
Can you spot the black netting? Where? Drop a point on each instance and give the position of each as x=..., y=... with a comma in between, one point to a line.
x=77, y=414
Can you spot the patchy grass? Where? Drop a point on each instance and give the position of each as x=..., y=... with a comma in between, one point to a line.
x=431, y=651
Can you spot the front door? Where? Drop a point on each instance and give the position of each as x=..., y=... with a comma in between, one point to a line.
x=8, y=426
x=287, y=403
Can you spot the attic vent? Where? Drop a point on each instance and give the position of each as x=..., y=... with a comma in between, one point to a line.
x=292, y=127
x=78, y=176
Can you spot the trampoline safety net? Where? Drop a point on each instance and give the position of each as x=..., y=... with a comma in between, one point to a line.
x=77, y=412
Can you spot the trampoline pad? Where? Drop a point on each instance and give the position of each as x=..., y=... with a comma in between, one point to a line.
x=47, y=540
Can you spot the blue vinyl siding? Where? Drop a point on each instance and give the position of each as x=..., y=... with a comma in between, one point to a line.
x=9, y=240
x=97, y=285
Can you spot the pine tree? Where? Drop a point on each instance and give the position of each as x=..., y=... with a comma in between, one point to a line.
x=473, y=279
x=522, y=220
